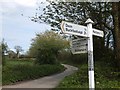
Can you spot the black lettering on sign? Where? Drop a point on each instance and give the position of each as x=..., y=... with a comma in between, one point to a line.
x=70, y=26
x=73, y=30
x=85, y=31
x=76, y=50
x=96, y=32
x=80, y=32
x=90, y=69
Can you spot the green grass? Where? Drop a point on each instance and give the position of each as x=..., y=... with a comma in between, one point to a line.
x=105, y=77
x=16, y=70
x=0, y=75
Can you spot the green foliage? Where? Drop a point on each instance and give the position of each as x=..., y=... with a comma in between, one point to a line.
x=3, y=50
x=16, y=70
x=45, y=56
x=106, y=76
x=0, y=75
x=45, y=47
x=64, y=55
x=77, y=80
x=76, y=12
x=68, y=57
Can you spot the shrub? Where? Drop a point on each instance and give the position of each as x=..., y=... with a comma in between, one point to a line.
x=45, y=57
x=45, y=47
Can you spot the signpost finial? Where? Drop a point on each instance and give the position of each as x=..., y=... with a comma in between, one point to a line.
x=89, y=21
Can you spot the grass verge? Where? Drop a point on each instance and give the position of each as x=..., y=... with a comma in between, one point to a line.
x=16, y=70
x=106, y=77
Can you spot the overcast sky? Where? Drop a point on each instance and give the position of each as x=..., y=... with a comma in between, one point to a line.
x=18, y=29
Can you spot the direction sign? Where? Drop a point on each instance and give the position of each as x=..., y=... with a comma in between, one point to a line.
x=79, y=46
x=79, y=30
x=79, y=42
x=74, y=29
x=79, y=50
x=98, y=32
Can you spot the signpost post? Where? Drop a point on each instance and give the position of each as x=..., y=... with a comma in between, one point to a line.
x=80, y=46
x=90, y=54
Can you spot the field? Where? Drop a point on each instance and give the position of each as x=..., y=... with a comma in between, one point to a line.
x=21, y=70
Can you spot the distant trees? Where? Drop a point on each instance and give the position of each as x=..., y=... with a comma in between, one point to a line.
x=46, y=46
x=6, y=52
x=18, y=50
x=4, y=47
x=3, y=50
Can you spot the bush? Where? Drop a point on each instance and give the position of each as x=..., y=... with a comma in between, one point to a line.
x=45, y=47
x=45, y=57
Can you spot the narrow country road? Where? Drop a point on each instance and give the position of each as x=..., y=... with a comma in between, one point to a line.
x=47, y=81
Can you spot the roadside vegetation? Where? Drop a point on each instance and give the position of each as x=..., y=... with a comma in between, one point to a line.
x=106, y=74
x=41, y=59
x=21, y=70
x=0, y=75
x=46, y=47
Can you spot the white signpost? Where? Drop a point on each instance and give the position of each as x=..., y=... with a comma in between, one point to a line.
x=78, y=45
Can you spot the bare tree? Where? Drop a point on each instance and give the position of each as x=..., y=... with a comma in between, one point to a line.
x=18, y=50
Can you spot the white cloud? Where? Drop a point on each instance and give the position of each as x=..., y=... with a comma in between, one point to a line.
x=27, y=3
x=12, y=5
x=7, y=5
x=0, y=25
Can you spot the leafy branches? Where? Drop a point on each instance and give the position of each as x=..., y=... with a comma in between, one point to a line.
x=45, y=47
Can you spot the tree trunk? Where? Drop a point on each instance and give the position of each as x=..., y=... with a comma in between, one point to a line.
x=116, y=22
x=18, y=55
